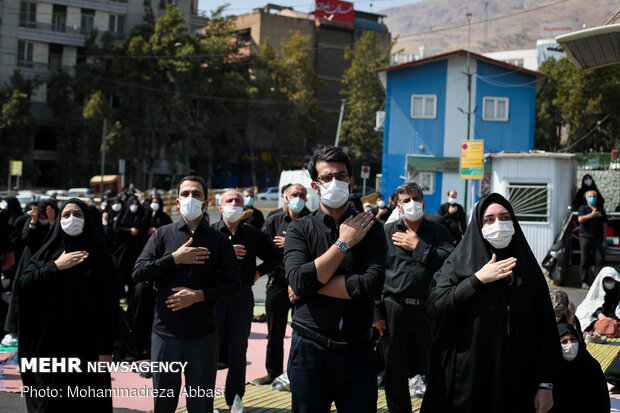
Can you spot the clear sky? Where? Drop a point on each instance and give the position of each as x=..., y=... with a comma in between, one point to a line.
x=243, y=6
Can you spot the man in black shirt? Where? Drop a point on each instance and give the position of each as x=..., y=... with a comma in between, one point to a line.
x=455, y=217
x=277, y=303
x=417, y=248
x=234, y=316
x=335, y=263
x=251, y=215
x=192, y=266
x=592, y=235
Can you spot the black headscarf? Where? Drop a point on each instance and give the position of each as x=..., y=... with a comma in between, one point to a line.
x=127, y=219
x=72, y=311
x=12, y=212
x=582, y=375
x=498, y=338
x=580, y=199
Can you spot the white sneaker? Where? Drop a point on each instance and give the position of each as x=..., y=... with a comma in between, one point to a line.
x=9, y=340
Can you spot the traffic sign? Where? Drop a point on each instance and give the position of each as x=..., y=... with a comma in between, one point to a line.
x=471, y=159
x=365, y=171
x=16, y=168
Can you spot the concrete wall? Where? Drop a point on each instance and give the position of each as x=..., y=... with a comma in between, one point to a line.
x=607, y=182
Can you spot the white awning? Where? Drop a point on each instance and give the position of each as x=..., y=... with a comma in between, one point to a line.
x=592, y=48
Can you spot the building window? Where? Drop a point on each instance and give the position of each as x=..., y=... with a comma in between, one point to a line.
x=424, y=106
x=59, y=18
x=163, y=3
x=117, y=23
x=495, y=109
x=28, y=14
x=529, y=201
x=88, y=21
x=24, y=53
x=425, y=180
x=55, y=57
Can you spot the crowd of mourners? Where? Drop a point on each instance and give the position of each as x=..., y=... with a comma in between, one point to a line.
x=379, y=293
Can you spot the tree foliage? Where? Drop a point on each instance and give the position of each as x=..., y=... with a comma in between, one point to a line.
x=364, y=97
x=573, y=102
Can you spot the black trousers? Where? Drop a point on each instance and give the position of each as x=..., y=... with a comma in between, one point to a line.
x=277, y=306
x=406, y=351
x=201, y=356
x=591, y=250
x=234, y=323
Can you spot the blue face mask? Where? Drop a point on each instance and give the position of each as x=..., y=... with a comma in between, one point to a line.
x=296, y=204
x=592, y=200
x=248, y=201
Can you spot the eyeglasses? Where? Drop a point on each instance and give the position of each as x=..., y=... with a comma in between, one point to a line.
x=340, y=176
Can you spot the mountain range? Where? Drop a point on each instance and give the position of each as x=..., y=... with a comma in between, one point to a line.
x=496, y=25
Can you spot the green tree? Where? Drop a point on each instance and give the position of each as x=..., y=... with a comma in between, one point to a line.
x=364, y=97
x=574, y=101
x=16, y=123
x=285, y=104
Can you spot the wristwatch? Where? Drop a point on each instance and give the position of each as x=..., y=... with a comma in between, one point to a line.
x=546, y=386
x=342, y=246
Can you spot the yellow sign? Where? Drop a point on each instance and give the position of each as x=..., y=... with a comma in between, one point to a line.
x=16, y=168
x=471, y=159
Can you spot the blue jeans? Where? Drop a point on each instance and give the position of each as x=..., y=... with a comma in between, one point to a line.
x=320, y=376
x=200, y=372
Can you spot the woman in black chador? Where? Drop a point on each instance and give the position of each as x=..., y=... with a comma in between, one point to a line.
x=67, y=309
x=495, y=341
x=587, y=184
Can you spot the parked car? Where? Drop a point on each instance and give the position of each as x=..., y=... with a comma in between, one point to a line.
x=271, y=194
x=79, y=193
x=26, y=196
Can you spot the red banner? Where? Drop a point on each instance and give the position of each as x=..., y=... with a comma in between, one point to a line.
x=335, y=10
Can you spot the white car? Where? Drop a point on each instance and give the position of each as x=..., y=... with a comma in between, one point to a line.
x=271, y=194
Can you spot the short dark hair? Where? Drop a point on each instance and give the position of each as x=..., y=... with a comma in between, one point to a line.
x=194, y=178
x=407, y=188
x=329, y=154
x=284, y=188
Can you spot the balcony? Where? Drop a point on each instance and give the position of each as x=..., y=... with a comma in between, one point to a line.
x=51, y=33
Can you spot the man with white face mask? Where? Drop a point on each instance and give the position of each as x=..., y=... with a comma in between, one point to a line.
x=334, y=260
x=192, y=266
x=417, y=248
x=454, y=214
x=234, y=316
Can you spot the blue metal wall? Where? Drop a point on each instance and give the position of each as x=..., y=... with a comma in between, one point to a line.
x=518, y=133
x=404, y=135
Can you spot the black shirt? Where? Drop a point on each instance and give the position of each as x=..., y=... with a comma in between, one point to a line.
x=256, y=245
x=218, y=277
x=275, y=226
x=408, y=274
x=363, y=267
x=256, y=219
x=457, y=222
x=592, y=228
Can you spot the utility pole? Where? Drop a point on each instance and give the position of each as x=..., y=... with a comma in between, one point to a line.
x=340, y=122
x=468, y=15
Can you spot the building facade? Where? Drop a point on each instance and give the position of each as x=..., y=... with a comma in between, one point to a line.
x=426, y=118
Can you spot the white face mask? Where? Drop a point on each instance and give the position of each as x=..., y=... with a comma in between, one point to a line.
x=44, y=221
x=296, y=204
x=3, y=204
x=413, y=211
x=133, y=208
x=116, y=207
x=569, y=351
x=609, y=285
x=248, y=201
x=381, y=203
x=451, y=200
x=232, y=213
x=155, y=206
x=72, y=226
x=104, y=205
x=588, y=182
x=6, y=282
x=499, y=234
x=190, y=208
x=334, y=194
